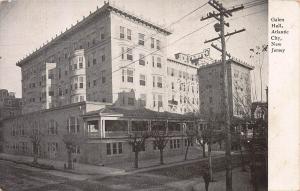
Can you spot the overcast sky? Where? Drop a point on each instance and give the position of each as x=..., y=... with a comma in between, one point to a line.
x=26, y=25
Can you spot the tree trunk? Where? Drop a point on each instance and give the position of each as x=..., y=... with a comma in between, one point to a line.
x=136, y=159
x=203, y=150
x=186, y=152
x=242, y=159
x=161, y=151
x=210, y=163
x=69, y=159
x=35, y=154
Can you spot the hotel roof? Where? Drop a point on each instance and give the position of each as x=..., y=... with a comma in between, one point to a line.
x=231, y=60
x=106, y=7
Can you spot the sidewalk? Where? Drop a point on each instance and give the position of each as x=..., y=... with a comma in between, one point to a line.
x=145, y=165
x=80, y=168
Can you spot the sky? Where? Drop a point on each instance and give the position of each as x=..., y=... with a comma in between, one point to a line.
x=26, y=24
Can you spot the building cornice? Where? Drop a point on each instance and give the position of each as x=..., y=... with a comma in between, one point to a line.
x=107, y=7
x=229, y=61
x=178, y=62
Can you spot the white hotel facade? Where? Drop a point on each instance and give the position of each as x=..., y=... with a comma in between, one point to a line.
x=110, y=56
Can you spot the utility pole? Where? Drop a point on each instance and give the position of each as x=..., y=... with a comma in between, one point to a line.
x=219, y=27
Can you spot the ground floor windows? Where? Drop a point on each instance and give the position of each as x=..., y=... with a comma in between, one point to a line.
x=114, y=148
x=188, y=143
x=174, y=143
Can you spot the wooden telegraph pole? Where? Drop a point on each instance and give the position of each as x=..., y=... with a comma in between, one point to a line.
x=219, y=27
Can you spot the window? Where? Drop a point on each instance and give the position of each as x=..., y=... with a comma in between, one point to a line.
x=102, y=34
x=153, y=61
x=154, y=100
x=103, y=57
x=60, y=92
x=81, y=98
x=158, y=64
x=130, y=101
x=159, y=81
x=142, y=80
x=80, y=59
x=129, y=54
x=143, y=100
x=59, y=73
x=172, y=72
x=114, y=148
x=160, y=101
x=81, y=82
x=210, y=100
x=52, y=127
x=152, y=42
x=108, y=151
x=73, y=125
x=157, y=44
x=94, y=61
x=142, y=60
x=123, y=75
x=153, y=81
x=128, y=34
x=130, y=76
x=120, y=148
x=94, y=82
x=75, y=66
x=175, y=144
x=172, y=85
x=141, y=39
x=103, y=76
x=122, y=32
x=51, y=76
x=123, y=52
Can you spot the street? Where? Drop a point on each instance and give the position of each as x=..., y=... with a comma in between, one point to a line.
x=16, y=177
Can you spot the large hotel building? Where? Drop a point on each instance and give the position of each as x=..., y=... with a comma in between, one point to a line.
x=110, y=56
x=103, y=79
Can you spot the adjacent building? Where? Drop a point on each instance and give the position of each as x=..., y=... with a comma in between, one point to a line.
x=9, y=105
x=211, y=88
x=182, y=84
x=102, y=132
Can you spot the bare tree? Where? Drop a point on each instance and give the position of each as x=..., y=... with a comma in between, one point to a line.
x=137, y=142
x=242, y=103
x=210, y=135
x=160, y=141
x=72, y=140
x=36, y=138
x=191, y=134
x=36, y=134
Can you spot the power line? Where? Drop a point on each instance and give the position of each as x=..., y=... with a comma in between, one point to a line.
x=185, y=37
